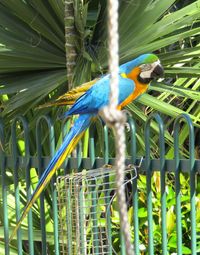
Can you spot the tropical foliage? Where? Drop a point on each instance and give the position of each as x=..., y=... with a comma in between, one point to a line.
x=33, y=61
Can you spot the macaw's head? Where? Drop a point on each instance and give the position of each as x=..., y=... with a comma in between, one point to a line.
x=145, y=68
x=150, y=69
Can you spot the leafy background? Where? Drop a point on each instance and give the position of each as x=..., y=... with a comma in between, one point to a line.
x=33, y=60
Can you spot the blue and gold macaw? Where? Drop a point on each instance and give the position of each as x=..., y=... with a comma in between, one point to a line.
x=87, y=100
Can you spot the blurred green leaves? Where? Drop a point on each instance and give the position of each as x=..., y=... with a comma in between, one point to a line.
x=32, y=48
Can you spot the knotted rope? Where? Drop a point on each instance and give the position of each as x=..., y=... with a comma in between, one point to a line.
x=117, y=119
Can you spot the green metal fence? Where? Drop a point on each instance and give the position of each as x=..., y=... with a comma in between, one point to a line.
x=40, y=233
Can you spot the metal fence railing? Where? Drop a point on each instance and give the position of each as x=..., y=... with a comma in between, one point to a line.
x=164, y=199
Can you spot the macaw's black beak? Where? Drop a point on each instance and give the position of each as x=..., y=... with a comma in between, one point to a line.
x=158, y=72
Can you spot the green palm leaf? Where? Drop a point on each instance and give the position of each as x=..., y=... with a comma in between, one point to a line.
x=32, y=51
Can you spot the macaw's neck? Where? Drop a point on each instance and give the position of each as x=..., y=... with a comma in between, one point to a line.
x=140, y=88
x=133, y=75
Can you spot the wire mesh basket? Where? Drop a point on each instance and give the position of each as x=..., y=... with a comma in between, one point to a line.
x=85, y=203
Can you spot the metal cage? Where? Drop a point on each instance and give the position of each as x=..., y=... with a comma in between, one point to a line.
x=84, y=202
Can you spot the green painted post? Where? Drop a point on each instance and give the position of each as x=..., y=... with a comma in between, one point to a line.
x=162, y=182
x=192, y=186
x=92, y=146
x=192, y=190
x=40, y=170
x=54, y=193
x=15, y=157
x=122, y=243
x=4, y=187
x=80, y=202
x=28, y=186
x=69, y=218
x=177, y=188
x=192, y=181
x=159, y=121
x=79, y=156
x=82, y=219
x=134, y=186
x=107, y=193
x=65, y=130
x=94, y=194
x=106, y=145
x=149, y=191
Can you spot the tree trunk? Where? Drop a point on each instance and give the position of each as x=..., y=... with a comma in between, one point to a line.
x=70, y=38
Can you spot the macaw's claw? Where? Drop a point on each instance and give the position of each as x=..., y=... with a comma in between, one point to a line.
x=127, y=127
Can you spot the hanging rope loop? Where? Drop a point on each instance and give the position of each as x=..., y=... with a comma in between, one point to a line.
x=113, y=116
x=116, y=120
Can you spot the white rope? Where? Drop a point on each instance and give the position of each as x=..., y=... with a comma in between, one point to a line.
x=117, y=120
x=110, y=203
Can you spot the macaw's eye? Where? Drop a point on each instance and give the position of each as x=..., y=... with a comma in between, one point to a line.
x=146, y=67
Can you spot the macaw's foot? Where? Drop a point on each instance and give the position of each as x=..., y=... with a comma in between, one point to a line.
x=107, y=166
x=127, y=127
x=127, y=112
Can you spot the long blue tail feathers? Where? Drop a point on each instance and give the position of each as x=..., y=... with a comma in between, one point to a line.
x=71, y=139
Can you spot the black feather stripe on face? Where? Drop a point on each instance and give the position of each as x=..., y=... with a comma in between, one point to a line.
x=158, y=71
x=144, y=80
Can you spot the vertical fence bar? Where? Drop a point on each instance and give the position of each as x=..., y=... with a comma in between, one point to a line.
x=134, y=186
x=192, y=182
x=107, y=192
x=122, y=242
x=92, y=146
x=79, y=155
x=162, y=183
x=28, y=187
x=4, y=187
x=69, y=215
x=149, y=191
x=15, y=156
x=192, y=188
x=51, y=141
x=162, y=180
x=106, y=145
x=61, y=212
x=94, y=193
x=65, y=130
x=80, y=203
x=82, y=219
x=54, y=193
x=177, y=188
x=16, y=184
x=40, y=171
x=77, y=215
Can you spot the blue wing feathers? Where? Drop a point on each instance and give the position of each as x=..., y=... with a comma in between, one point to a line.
x=98, y=96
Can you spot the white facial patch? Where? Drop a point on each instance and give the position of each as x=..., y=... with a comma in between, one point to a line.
x=147, y=69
